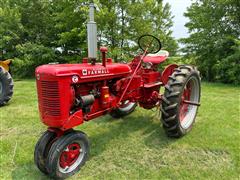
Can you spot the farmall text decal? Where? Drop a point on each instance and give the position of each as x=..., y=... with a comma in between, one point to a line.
x=86, y=72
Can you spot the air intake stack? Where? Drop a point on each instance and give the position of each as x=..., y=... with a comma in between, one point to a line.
x=92, y=34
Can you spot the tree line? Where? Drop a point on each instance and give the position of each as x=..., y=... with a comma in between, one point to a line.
x=35, y=32
x=214, y=43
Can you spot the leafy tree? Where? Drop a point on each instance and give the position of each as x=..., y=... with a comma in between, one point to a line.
x=33, y=30
x=122, y=22
x=70, y=24
x=228, y=66
x=31, y=55
x=213, y=24
x=10, y=29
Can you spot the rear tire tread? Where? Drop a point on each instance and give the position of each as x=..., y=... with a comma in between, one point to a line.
x=171, y=100
x=7, y=83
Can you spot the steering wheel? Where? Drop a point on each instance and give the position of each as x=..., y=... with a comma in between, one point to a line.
x=149, y=43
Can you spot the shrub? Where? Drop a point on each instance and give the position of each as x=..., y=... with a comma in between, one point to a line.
x=29, y=57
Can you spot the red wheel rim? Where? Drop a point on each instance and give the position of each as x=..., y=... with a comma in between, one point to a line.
x=184, y=108
x=189, y=102
x=70, y=155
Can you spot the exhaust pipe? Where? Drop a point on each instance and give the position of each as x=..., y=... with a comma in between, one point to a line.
x=92, y=35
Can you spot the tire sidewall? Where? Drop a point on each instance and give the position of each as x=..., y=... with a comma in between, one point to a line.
x=7, y=86
x=41, y=150
x=118, y=113
x=4, y=83
x=128, y=111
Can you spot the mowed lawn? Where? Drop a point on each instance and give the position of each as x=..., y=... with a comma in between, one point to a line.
x=134, y=147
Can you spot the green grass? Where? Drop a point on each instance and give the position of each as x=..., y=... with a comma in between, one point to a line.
x=134, y=147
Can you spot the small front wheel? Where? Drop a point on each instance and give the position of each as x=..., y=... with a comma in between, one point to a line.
x=41, y=150
x=67, y=155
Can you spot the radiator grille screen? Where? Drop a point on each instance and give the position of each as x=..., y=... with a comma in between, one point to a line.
x=50, y=101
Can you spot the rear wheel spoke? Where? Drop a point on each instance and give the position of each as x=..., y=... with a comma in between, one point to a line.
x=191, y=103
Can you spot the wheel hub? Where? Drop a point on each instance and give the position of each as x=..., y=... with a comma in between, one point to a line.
x=70, y=155
x=188, y=105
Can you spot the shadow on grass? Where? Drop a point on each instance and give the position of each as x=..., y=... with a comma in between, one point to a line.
x=149, y=128
x=152, y=133
x=28, y=172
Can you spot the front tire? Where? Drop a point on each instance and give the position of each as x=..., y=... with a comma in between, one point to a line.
x=6, y=86
x=67, y=155
x=41, y=150
x=183, y=87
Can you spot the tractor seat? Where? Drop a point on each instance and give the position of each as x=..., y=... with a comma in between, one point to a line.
x=157, y=58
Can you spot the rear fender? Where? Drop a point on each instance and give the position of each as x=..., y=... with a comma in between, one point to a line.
x=167, y=72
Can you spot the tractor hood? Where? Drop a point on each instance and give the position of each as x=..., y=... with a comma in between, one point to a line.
x=85, y=71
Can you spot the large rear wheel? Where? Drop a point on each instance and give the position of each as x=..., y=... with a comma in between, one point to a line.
x=181, y=100
x=6, y=86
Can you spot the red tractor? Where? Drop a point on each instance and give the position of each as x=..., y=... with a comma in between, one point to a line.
x=71, y=94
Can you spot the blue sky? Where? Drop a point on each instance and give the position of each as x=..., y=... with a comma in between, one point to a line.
x=178, y=7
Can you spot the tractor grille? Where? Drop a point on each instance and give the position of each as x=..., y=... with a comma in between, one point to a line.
x=50, y=98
